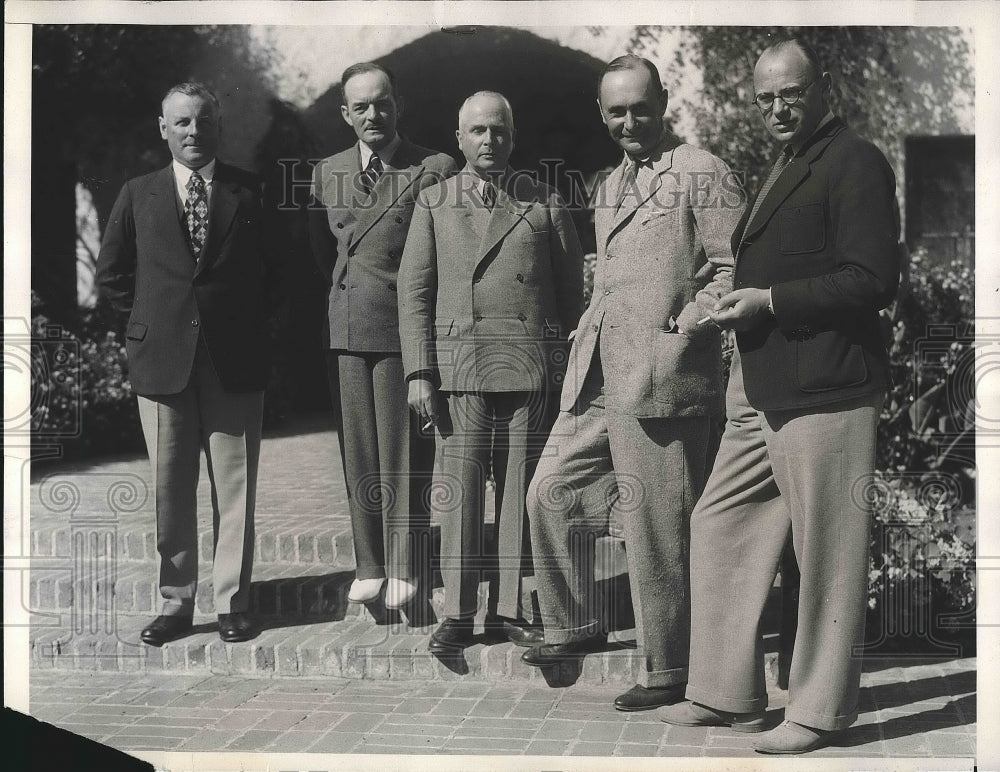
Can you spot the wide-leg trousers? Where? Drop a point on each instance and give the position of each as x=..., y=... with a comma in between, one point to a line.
x=799, y=470
x=479, y=432
x=387, y=463
x=650, y=471
x=227, y=426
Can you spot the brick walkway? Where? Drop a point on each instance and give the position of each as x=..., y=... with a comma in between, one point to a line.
x=360, y=683
x=909, y=710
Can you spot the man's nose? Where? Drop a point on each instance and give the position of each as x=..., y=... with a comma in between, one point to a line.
x=780, y=107
x=629, y=121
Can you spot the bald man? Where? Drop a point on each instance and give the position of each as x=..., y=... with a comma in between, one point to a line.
x=490, y=284
x=816, y=260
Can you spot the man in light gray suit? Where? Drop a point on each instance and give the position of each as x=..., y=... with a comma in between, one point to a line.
x=490, y=285
x=643, y=384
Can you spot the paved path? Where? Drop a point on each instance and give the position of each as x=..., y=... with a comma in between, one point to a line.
x=914, y=709
x=909, y=710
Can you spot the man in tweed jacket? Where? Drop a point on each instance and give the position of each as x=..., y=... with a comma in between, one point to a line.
x=643, y=384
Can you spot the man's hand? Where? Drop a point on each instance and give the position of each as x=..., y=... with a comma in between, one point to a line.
x=742, y=309
x=423, y=400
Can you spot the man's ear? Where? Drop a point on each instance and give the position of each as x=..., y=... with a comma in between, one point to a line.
x=399, y=107
x=664, y=100
x=163, y=127
x=600, y=109
x=827, y=80
x=346, y=115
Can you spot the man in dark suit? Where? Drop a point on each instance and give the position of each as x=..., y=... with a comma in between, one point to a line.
x=182, y=257
x=816, y=260
x=363, y=204
x=490, y=286
x=643, y=384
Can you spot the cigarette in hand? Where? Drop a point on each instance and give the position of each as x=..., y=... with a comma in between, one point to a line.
x=706, y=319
x=427, y=425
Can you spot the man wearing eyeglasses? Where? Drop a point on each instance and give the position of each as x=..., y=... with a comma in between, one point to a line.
x=815, y=262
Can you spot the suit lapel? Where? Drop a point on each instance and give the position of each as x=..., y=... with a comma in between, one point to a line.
x=221, y=212
x=507, y=213
x=632, y=203
x=391, y=186
x=790, y=178
x=170, y=215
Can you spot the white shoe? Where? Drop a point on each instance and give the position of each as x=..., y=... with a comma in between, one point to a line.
x=399, y=592
x=364, y=590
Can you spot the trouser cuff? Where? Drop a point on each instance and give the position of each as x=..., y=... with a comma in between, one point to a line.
x=727, y=704
x=658, y=679
x=820, y=720
x=571, y=634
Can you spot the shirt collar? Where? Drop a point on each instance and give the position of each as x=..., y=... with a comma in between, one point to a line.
x=385, y=155
x=498, y=182
x=796, y=150
x=183, y=173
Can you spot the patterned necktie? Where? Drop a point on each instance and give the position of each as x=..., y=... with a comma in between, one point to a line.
x=489, y=195
x=628, y=183
x=196, y=213
x=776, y=170
x=372, y=172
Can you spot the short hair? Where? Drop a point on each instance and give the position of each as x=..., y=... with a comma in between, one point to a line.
x=629, y=62
x=495, y=95
x=193, y=88
x=804, y=48
x=360, y=69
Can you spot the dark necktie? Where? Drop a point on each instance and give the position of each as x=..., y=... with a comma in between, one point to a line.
x=196, y=213
x=776, y=170
x=489, y=195
x=372, y=172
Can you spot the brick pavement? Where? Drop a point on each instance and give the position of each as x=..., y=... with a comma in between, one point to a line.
x=909, y=709
x=362, y=686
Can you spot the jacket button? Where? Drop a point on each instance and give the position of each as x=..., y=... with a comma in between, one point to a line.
x=477, y=280
x=392, y=287
x=522, y=318
x=478, y=318
x=608, y=256
x=392, y=254
x=343, y=286
x=520, y=277
x=399, y=219
x=340, y=225
x=607, y=292
x=595, y=328
x=195, y=322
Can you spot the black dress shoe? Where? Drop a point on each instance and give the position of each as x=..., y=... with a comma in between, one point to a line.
x=555, y=653
x=523, y=633
x=451, y=635
x=646, y=698
x=236, y=627
x=164, y=629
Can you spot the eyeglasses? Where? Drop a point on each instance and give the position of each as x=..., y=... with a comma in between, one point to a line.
x=790, y=96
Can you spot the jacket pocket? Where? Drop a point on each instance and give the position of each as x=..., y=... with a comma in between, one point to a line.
x=136, y=331
x=829, y=361
x=801, y=229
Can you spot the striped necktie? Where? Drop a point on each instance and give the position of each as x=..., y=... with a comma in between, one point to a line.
x=196, y=213
x=779, y=166
x=372, y=172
